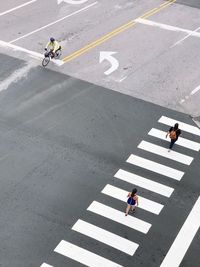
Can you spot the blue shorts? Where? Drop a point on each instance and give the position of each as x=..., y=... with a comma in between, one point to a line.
x=131, y=201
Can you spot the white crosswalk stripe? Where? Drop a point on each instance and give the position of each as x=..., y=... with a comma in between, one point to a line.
x=111, y=239
x=144, y=203
x=83, y=256
x=105, y=237
x=161, y=151
x=119, y=217
x=183, y=126
x=181, y=141
x=144, y=183
x=155, y=167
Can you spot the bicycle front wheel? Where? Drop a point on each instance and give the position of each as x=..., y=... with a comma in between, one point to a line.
x=45, y=61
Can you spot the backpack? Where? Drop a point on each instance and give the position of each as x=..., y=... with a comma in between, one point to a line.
x=172, y=134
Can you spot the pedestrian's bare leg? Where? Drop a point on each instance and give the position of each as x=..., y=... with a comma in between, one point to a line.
x=133, y=208
x=127, y=209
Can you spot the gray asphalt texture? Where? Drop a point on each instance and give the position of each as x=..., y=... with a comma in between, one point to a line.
x=152, y=66
x=61, y=141
x=192, y=3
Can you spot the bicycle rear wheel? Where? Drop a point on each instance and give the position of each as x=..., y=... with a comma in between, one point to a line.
x=45, y=61
x=58, y=54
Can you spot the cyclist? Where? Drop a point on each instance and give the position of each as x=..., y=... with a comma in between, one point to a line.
x=53, y=46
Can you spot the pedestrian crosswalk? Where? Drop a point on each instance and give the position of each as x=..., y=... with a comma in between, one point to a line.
x=161, y=151
x=105, y=237
x=112, y=239
x=155, y=167
x=120, y=194
x=144, y=183
x=181, y=141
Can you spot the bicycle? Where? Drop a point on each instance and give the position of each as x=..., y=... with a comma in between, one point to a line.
x=48, y=55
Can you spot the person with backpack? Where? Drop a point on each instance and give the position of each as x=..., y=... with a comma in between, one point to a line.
x=132, y=201
x=173, y=133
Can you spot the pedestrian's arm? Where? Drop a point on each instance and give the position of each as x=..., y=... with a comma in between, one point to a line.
x=167, y=134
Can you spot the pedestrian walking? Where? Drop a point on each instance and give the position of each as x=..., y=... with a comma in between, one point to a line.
x=132, y=201
x=173, y=133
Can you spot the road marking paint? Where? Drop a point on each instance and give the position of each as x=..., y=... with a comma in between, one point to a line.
x=15, y=76
x=184, y=238
x=122, y=79
x=155, y=167
x=181, y=141
x=144, y=203
x=187, y=36
x=105, y=237
x=113, y=33
x=161, y=151
x=154, y=11
x=52, y=23
x=166, y=27
x=119, y=217
x=17, y=7
x=195, y=90
x=144, y=183
x=99, y=41
x=183, y=126
x=29, y=52
x=83, y=256
x=46, y=265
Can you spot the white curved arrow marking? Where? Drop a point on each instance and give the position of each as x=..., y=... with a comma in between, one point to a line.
x=72, y=2
x=108, y=56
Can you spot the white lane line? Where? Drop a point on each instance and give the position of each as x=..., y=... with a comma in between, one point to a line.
x=195, y=90
x=15, y=76
x=161, y=151
x=187, y=36
x=144, y=183
x=17, y=7
x=122, y=79
x=155, y=167
x=83, y=256
x=183, y=126
x=54, y=22
x=181, y=141
x=166, y=27
x=105, y=237
x=144, y=203
x=46, y=265
x=119, y=217
x=184, y=238
x=29, y=52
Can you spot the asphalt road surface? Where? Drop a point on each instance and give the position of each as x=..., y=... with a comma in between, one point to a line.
x=75, y=139
x=65, y=144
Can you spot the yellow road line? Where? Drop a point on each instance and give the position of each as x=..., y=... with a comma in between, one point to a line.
x=120, y=29
x=115, y=32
